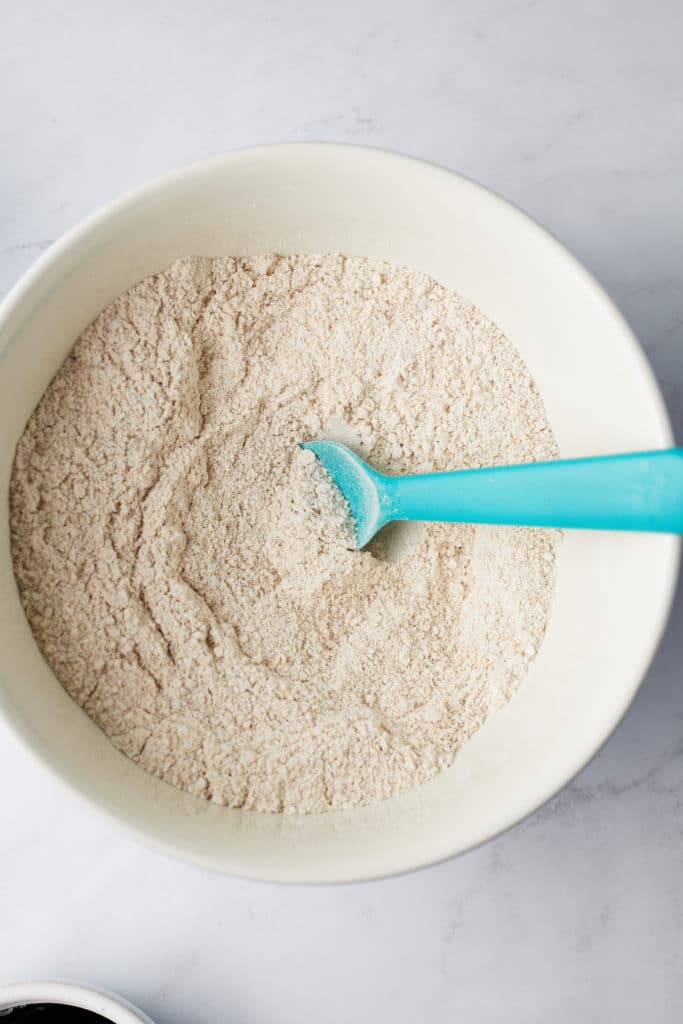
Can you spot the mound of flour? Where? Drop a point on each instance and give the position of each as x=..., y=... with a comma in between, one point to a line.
x=187, y=570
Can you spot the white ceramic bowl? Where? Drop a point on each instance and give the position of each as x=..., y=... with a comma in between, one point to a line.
x=25, y=993
x=614, y=591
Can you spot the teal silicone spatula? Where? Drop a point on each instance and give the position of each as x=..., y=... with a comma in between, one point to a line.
x=638, y=491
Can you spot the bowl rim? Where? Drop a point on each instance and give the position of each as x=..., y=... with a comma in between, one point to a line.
x=400, y=862
x=70, y=993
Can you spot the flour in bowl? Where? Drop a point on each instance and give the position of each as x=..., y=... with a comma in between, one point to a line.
x=188, y=572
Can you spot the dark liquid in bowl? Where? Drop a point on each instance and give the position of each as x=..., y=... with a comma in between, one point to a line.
x=51, y=1013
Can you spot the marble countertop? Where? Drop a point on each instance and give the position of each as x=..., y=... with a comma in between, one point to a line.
x=573, y=111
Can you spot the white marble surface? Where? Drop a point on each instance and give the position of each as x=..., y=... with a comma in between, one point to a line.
x=575, y=112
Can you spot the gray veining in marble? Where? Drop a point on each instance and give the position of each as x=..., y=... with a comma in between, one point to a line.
x=575, y=112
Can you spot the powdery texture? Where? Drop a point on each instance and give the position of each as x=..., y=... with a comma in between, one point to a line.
x=184, y=566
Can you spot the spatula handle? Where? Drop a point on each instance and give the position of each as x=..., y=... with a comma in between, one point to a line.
x=639, y=491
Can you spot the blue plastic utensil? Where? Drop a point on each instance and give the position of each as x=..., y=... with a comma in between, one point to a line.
x=639, y=491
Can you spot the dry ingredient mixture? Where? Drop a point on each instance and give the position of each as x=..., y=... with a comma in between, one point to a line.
x=187, y=570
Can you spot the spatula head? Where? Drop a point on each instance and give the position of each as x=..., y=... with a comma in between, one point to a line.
x=358, y=484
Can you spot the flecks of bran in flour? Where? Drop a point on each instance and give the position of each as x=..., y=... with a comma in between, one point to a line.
x=184, y=565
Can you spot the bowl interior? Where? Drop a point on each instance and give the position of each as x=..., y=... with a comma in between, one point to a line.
x=66, y=993
x=613, y=591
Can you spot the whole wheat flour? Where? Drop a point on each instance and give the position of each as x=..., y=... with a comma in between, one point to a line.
x=186, y=569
